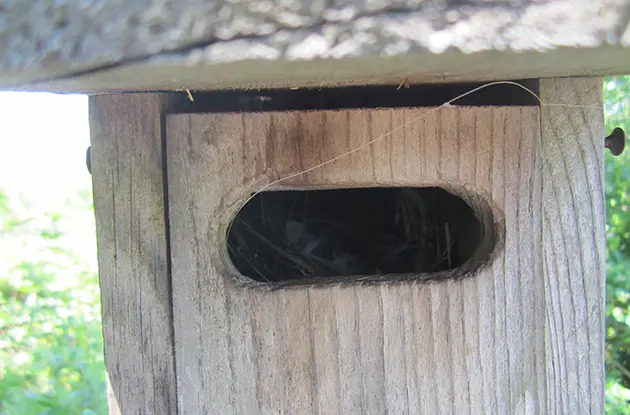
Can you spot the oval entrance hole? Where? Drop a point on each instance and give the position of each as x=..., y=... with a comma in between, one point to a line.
x=287, y=236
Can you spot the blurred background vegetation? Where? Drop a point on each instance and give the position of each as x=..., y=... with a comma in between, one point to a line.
x=617, y=114
x=51, y=345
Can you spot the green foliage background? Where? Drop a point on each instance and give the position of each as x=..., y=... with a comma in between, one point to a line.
x=617, y=111
x=51, y=345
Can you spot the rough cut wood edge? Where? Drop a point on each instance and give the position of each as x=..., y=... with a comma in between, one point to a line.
x=573, y=244
x=473, y=345
x=174, y=72
x=126, y=135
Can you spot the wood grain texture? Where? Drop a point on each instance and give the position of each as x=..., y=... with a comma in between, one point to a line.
x=574, y=243
x=64, y=45
x=481, y=344
x=127, y=166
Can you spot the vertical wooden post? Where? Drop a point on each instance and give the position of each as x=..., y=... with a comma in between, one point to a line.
x=127, y=166
x=573, y=243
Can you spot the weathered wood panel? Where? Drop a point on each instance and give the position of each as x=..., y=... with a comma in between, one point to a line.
x=573, y=244
x=482, y=344
x=127, y=166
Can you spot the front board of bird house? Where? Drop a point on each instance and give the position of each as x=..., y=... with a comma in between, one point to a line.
x=491, y=340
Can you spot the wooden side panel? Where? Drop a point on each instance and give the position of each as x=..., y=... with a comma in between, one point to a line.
x=475, y=345
x=574, y=243
x=127, y=166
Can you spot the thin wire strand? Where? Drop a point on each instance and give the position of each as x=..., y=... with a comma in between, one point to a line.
x=400, y=127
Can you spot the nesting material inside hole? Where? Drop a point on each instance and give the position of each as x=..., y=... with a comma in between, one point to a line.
x=282, y=236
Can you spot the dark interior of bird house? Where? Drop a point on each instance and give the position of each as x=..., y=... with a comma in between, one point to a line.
x=284, y=236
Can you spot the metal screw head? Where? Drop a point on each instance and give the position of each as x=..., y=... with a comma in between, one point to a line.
x=616, y=141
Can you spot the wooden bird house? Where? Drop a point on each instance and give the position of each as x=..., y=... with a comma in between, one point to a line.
x=285, y=301
x=291, y=220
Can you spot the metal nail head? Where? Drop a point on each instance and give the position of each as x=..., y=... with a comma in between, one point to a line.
x=616, y=141
x=88, y=159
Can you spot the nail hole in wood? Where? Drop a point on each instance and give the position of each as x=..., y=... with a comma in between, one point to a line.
x=360, y=234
